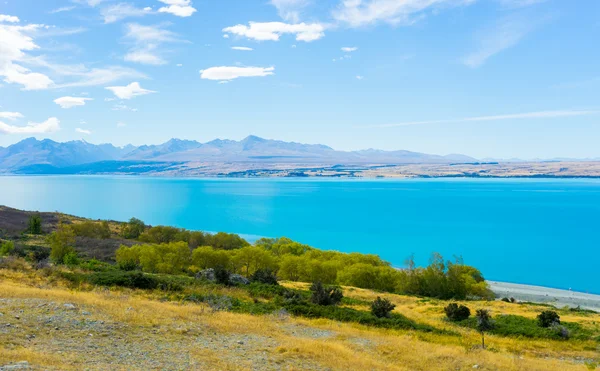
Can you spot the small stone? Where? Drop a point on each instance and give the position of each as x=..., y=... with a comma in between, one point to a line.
x=69, y=306
x=17, y=316
x=240, y=342
x=475, y=366
x=86, y=313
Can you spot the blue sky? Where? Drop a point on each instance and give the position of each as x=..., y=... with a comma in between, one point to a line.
x=487, y=78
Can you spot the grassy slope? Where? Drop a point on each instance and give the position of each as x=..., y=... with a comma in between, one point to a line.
x=134, y=329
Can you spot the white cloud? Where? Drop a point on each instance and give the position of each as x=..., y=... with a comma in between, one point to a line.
x=290, y=10
x=503, y=35
x=117, y=12
x=48, y=126
x=63, y=9
x=357, y=13
x=272, y=31
x=83, y=131
x=513, y=116
x=9, y=18
x=225, y=73
x=130, y=91
x=146, y=40
x=359, y=77
x=242, y=48
x=179, y=65
x=121, y=124
x=179, y=8
x=70, y=102
x=11, y=115
x=348, y=49
x=14, y=42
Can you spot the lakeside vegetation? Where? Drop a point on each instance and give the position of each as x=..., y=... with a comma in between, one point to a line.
x=225, y=273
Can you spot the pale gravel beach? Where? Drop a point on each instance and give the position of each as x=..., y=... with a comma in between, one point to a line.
x=545, y=295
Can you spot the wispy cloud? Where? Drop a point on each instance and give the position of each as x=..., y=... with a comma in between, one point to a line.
x=272, y=31
x=130, y=91
x=83, y=131
x=513, y=116
x=242, y=48
x=62, y=10
x=11, y=115
x=48, y=126
x=290, y=10
x=505, y=34
x=146, y=43
x=357, y=13
x=349, y=49
x=70, y=102
x=117, y=12
x=228, y=73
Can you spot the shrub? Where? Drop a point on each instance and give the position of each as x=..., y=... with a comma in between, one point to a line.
x=34, y=226
x=136, y=280
x=548, y=318
x=381, y=308
x=222, y=276
x=32, y=253
x=133, y=229
x=7, y=248
x=456, y=312
x=61, y=244
x=325, y=295
x=265, y=276
x=91, y=229
x=484, y=323
x=71, y=259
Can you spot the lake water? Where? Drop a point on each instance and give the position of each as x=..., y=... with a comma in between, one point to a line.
x=543, y=232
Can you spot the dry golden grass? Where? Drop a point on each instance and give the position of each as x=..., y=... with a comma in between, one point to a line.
x=343, y=347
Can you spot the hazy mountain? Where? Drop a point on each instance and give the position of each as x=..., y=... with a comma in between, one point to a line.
x=32, y=151
x=154, y=151
x=53, y=154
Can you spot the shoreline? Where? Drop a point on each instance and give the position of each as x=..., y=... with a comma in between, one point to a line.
x=545, y=295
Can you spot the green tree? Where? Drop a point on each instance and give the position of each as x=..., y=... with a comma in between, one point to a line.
x=34, y=226
x=207, y=257
x=292, y=267
x=252, y=258
x=325, y=295
x=61, y=243
x=133, y=229
x=6, y=248
x=484, y=323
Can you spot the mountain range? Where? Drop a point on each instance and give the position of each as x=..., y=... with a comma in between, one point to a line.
x=32, y=155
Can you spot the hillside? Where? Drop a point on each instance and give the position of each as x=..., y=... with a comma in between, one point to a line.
x=117, y=295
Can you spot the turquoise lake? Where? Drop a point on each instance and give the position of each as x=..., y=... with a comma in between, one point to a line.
x=542, y=232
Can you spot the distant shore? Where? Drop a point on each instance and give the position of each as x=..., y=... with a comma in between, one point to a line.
x=544, y=295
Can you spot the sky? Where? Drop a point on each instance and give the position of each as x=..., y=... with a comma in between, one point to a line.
x=485, y=78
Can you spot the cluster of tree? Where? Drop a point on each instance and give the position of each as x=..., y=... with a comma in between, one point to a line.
x=296, y=262
x=138, y=230
x=91, y=229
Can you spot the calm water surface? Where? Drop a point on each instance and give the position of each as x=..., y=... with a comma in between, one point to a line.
x=544, y=232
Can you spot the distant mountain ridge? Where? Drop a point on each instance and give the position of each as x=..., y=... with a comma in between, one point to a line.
x=42, y=154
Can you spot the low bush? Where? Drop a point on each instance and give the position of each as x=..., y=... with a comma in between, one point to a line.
x=222, y=276
x=265, y=276
x=261, y=290
x=518, y=326
x=6, y=248
x=325, y=295
x=456, y=312
x=381, y=308
x=395, y=321
x=136, y=280
x=548, y=318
